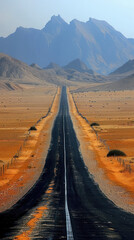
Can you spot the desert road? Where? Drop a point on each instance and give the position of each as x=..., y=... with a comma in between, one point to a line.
x=65, y=203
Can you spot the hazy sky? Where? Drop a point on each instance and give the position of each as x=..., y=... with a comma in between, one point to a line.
x=36, y=13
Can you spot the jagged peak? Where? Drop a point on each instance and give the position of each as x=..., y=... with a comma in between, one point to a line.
x=55, y=22
x=57, y=18
x=20, y=28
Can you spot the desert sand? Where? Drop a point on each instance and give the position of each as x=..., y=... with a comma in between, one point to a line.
x=113, y=111
x=19, y=111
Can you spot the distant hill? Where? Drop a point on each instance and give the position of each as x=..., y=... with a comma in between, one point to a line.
x=79, y=66
x=125, y=69
x=9, y=86
x=10, y=67
x=52, y=65
x=34, y=65
x=95, y=42
x=17, y=72
x=76, y=71
x=126, y=83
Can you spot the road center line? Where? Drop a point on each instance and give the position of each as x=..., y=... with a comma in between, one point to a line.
x=68, y=220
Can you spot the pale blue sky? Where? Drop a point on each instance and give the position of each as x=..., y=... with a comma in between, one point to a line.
x=36, y=13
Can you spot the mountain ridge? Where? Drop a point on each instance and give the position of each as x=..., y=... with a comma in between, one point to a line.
x=95, y=42
x=15, y=71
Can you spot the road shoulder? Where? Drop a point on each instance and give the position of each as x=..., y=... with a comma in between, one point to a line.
x=115, y=192
x=24, y=173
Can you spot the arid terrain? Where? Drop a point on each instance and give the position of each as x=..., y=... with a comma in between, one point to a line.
x=113, y=112
x=19, y=110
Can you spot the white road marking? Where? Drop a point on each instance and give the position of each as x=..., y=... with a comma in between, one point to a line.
x=68, y=220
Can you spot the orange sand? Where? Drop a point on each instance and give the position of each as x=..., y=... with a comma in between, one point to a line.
x=24, y=172
x=19, y=110
x=38, y=214
x=114, y=112
x=110, y=120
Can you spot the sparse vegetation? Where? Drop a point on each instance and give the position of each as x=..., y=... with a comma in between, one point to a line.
x=94, y=124
x=116, y=153
x=29, y=166
x=33, y=128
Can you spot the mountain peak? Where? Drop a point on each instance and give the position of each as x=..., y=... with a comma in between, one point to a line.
x=55, y=25
x=57, y=18
x=19, y=29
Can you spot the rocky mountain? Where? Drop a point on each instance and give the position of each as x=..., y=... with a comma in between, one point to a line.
x=95, y=42
x=12, y=68
x=16, y=71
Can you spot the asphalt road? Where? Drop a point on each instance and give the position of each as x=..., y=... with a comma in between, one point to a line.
x=65, y=202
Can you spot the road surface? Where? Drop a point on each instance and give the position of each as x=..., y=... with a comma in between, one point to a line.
x=65, y=203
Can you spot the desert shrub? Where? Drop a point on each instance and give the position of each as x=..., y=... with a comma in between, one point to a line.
x=94, y=124
x=33, y=128
x=29, y=167
x=116, y=153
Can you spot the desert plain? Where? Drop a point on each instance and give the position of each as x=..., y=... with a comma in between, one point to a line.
x=114, y=115
x=111, y=110
x=23, y=152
